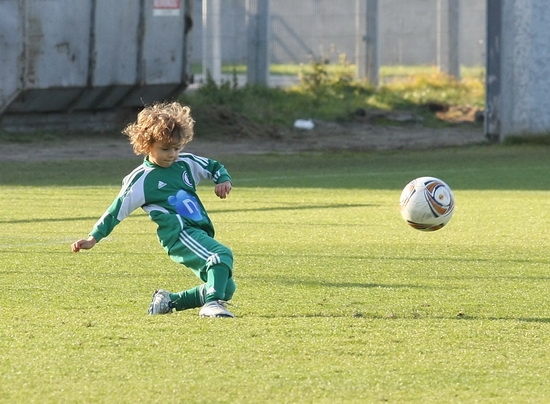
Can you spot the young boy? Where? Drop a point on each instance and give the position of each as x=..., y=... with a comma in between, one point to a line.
x=164, y=186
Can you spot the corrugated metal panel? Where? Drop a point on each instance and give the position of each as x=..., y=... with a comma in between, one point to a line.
x=11, y=49
x=56, y=43
x=116, y=42
x=66, y=55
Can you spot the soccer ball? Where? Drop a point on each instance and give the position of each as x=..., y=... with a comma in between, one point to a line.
x=427, y=203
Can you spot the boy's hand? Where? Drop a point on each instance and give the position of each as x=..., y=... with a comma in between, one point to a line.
x=223, y=189
x=83, y=244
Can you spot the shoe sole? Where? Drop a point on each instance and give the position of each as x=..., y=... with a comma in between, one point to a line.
x=218, y=316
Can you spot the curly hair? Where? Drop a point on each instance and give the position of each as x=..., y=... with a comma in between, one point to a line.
x=170, y=123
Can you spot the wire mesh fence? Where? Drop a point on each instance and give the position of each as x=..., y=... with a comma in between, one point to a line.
x=410, y=32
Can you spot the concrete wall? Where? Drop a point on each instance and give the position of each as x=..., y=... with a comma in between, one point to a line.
x=525, y=67
x=327, y=28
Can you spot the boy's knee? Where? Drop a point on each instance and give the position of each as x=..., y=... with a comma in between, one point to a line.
x=227, y=257
x=223, y=256
x=230, y=290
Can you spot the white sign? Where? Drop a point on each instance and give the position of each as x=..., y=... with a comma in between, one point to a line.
x=165, y=8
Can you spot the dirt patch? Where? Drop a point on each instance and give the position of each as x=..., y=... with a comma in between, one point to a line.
x=230, y=134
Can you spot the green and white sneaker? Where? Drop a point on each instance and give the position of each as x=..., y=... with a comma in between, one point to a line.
x=161, y=303
x=215, y=309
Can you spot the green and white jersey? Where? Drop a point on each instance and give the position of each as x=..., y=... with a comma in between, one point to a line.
x=168, y=195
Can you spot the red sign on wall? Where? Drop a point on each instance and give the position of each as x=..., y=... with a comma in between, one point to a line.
x=166, y=7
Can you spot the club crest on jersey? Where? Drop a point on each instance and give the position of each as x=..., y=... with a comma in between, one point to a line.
x=186, y=180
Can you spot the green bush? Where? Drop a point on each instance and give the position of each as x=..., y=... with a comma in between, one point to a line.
x=331, y=92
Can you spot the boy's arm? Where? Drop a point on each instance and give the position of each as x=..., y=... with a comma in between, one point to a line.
x=130, y=197
x=205, y=168
x=222, y=190
x=221, y=178
x=84, y=244
x=106, y=223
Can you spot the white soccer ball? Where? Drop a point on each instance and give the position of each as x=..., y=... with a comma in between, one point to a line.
x=427, y=203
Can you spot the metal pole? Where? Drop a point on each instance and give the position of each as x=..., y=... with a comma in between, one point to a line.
x=372, y=41
x=454, y=40
x=439, y=35
x=493, y=75
x=259, y=33
x=448, y=43
x=211, y=42
x=360, y=67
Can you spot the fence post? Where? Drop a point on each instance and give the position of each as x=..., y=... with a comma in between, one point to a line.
x=492, y=74
x=211, y=41
x=258, y=33
x=448, y=44
x=360, y=66
x=454, y=38
x=372, y=43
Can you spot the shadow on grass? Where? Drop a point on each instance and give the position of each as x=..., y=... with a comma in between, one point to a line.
x=139, y=213
x=371, y=257
x=394, y=317
x=314, y=283
x=530, y=320
x=50, y=220
x=480, y=318
x=299, y=207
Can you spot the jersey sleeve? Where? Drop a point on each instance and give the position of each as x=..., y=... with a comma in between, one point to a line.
x=130, y=197
x=204, y=168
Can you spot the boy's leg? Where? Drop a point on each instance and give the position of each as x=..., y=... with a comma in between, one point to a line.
x=216, y=283
x=188, y=299
x=216, y=291
x=210, y=261
x=230, y=289
x=196, y=297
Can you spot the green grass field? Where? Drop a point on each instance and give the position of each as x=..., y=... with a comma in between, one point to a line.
x=338, y=300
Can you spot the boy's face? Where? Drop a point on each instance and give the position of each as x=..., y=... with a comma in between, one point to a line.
x=163, y=154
